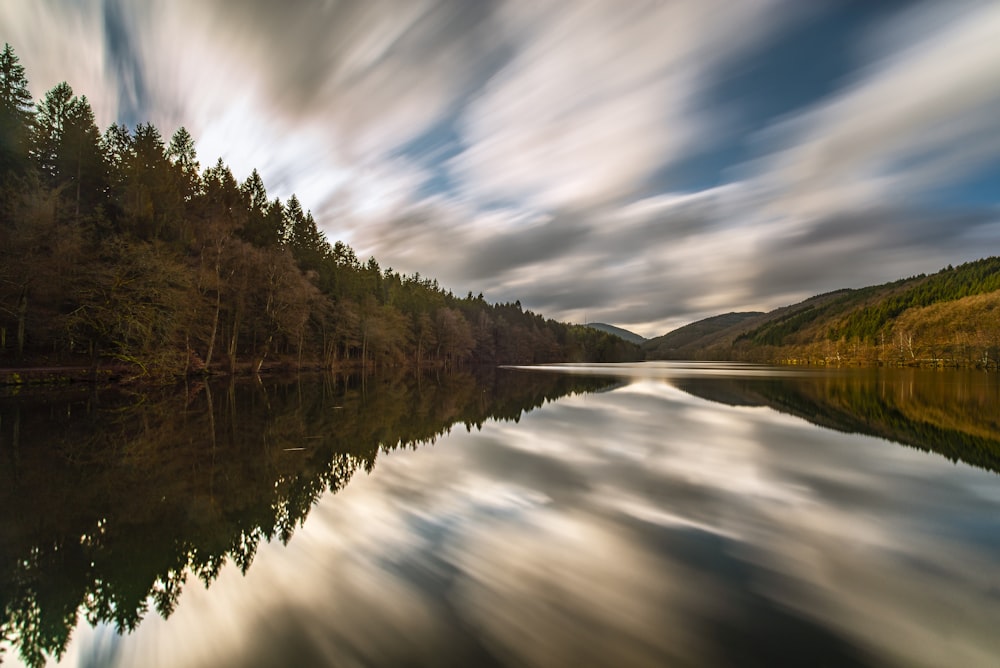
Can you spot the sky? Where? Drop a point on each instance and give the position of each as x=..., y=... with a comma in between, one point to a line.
x=644, y=164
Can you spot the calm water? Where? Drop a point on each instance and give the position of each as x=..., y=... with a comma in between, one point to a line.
x=653, y=514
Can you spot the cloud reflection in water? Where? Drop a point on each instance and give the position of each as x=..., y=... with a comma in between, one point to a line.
x=642, y=526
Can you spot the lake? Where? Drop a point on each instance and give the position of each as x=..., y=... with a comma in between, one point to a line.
x=605, y=515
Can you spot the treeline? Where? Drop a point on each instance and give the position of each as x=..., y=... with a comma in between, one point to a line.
x=117, y=246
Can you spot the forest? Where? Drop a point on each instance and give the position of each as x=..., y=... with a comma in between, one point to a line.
x=118, y=251
x=949, y=318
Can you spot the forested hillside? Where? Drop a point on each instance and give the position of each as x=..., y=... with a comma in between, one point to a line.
x=116, y=248
x=949, y=318
x=617, y=331
x=696, y=339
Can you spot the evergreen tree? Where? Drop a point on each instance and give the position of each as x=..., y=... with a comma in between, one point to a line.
x=308, y=245
x=254, y=193
x=84, y=160
x=260, y=228
x=221, y=190
x=181, y=153
x=150, y=201
x=275, y=221
x=67, y=152
x=15, y=112
x=119, y=150
x=49, y=131
x=294, y=220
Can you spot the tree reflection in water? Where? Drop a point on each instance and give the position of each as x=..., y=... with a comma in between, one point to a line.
x=110, y=499
x=952, y=413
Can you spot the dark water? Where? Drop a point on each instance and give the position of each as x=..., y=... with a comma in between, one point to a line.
x=654, y=514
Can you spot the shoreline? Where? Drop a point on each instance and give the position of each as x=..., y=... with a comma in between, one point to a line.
x=131, y=375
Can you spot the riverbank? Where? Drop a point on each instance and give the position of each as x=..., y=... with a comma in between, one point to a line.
x=35, y=373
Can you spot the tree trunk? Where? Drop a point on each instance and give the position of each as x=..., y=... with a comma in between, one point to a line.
x=263, y=356
x=364, y=348
x=22, y=318
x=233, y=339
x=215, y=328
x=79, y=177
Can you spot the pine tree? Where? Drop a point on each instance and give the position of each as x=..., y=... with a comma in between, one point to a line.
x=221, y=189
x=149, y=202
x=119, y=150
x=260, y=228
x=294, y=221
x=254, y=193
x=84, y=159
x=66, y=148
x=49, y=130
x=181, y=153
x=15, y=112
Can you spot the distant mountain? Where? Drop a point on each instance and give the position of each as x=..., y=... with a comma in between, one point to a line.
x=691, y=341
x=631, y=337
x=948, y=318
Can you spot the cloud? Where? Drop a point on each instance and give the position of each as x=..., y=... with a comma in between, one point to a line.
x=70, y=51
x=917, y=117
x=596, y=98
x=642, y=262
x=319, y=118
x=829, y=203
x=377, y=73
x=840, y=199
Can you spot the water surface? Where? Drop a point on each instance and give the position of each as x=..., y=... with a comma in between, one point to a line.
x=652, y=514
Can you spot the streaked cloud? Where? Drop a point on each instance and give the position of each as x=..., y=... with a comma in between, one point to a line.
x=915, y=118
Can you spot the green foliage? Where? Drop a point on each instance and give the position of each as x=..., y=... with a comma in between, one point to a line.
x=15, y=113
x=775, y=332
x=950, y=284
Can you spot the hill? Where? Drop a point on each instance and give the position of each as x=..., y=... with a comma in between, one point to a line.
x=624, y=334
x=690, y=341
x=948, y=318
